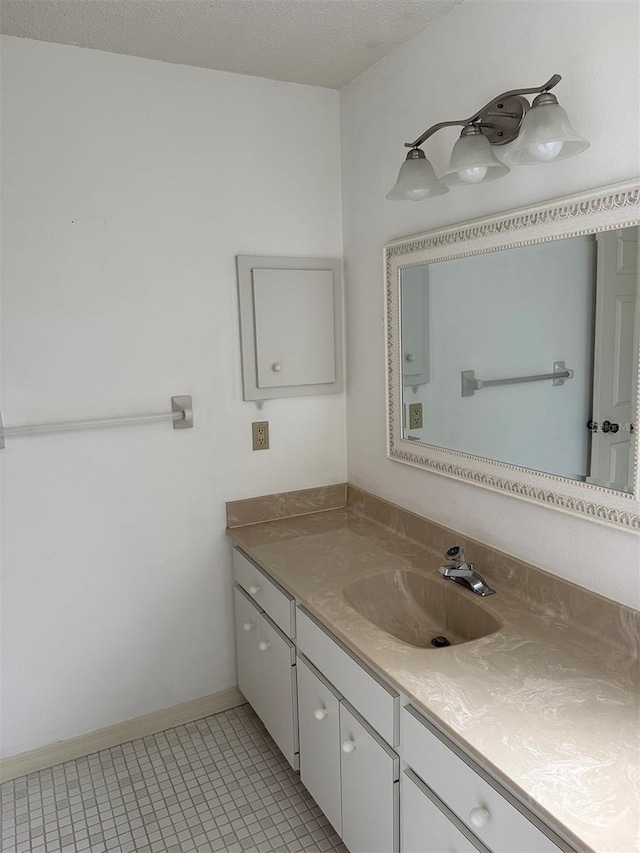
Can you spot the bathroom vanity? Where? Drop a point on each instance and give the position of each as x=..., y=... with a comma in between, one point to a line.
x=519, y=737
x=520, y=732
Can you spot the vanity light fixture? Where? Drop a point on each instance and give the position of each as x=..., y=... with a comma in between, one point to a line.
x=540, y=131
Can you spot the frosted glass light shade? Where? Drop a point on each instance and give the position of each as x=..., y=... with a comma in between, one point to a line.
x=545, y=135
x=416, y=179
x=472, y=162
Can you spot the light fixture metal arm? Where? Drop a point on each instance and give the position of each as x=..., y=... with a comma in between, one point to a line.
x=434, y=129
x=505, y=96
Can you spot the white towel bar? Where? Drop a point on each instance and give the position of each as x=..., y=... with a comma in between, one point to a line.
x=181, y=414
x=470, y=384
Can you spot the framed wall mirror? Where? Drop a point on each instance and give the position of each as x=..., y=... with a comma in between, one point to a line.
x=513, y=349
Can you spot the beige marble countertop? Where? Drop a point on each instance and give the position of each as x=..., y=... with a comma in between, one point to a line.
x=546, y=705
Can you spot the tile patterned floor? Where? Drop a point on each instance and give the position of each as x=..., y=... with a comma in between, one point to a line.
x=219, y=784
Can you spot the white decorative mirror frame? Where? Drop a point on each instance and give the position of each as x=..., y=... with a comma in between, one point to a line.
x=603, y=209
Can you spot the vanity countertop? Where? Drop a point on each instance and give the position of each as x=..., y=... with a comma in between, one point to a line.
x=550, y=708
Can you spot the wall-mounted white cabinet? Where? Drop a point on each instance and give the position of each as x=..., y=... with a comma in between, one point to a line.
x=290, y=326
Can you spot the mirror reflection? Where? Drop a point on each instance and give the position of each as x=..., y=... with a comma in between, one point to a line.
x=528, y=356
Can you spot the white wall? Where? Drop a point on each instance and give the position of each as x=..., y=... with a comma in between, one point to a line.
x=130, y=185
x=475, y=51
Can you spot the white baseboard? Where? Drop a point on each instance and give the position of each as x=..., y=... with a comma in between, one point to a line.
x=149, y=724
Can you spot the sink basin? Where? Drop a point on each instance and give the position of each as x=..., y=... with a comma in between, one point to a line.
x=416, y=608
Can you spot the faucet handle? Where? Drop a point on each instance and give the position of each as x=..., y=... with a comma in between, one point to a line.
x=456, y=555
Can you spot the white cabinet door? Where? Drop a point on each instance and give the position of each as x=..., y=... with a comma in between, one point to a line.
x=319, y=727
x=425, y=829
x=370, y=795
x=267, y=674
x=248, y=660
x=278, y=700
x=294, y=326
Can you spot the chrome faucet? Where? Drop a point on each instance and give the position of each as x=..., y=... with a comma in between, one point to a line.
x=464, y=573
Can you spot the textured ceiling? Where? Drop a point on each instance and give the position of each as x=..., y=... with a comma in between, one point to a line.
x=319, y=42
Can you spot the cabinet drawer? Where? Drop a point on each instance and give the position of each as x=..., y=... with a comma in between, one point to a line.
x=369, y=695
x=319, y=728
x=370, y=787
x=426, y=827
x=275, y=602
x=493, y=819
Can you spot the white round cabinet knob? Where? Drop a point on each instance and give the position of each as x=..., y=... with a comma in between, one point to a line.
x=253, y=589
x=348, y=745
x=263, y=645
x=320, y=713
x=277, y=367
x=479, y=816
x=410, y=357
x=248, y=626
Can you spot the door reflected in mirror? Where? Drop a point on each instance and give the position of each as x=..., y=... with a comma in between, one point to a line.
x=528, y=356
